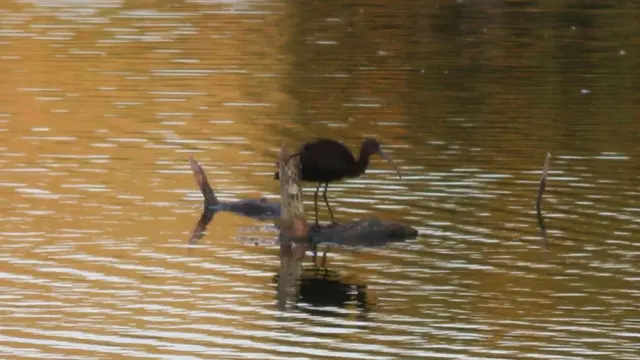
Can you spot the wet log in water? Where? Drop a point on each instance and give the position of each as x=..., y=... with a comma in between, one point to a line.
x=290, y=214
x=368, y=232
x=260, y=209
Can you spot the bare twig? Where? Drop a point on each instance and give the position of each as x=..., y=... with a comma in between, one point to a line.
x=541, y=188
x=543, y=184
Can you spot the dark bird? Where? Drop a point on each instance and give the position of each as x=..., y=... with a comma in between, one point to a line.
x=326, y=160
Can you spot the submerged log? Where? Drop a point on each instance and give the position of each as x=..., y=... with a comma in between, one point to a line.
x=294, y=230
x=260, y=209
x=291, y=218
x=370, y=232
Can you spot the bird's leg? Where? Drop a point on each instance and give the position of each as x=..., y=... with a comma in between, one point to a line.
x=315, y=201
x=324, y=195
x=324, y=257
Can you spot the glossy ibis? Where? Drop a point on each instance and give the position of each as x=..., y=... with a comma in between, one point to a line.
x=326, y=160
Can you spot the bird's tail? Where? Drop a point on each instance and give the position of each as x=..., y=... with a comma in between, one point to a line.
x=201, y=179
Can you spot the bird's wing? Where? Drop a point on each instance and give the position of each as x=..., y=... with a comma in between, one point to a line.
x=327, y=156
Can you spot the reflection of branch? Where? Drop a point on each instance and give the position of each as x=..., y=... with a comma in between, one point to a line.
x=201, y=226
x=541, y=188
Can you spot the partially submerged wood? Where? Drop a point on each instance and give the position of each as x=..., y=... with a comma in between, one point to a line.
x=260, y=209
x=291, y=219
x=293, y=224
x=370, y=232
x=294, y=229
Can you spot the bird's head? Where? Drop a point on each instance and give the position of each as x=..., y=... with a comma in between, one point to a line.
x=371, y=146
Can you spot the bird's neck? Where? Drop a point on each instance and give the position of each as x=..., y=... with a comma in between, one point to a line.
x=361, y=164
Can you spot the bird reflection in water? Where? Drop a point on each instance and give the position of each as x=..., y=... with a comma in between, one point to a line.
x=314, y=291
x=306, y=290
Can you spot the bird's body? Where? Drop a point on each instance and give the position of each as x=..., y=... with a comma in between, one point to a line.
x=326, y=160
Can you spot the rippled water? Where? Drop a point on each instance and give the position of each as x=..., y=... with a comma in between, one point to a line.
x=103, y=102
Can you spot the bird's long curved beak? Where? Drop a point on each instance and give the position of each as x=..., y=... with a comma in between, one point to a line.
x=388, y=159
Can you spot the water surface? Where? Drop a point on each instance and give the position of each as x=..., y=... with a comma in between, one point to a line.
x=104, y=101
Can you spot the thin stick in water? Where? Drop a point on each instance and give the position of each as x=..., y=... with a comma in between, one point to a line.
x=294, y=229
x=543, y=183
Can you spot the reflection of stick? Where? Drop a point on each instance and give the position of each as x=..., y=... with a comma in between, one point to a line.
x=543, y=184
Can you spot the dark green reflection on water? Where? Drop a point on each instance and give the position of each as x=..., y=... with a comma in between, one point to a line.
x=543, y=72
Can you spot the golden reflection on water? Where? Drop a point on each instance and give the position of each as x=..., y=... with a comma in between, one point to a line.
x=104, y=101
